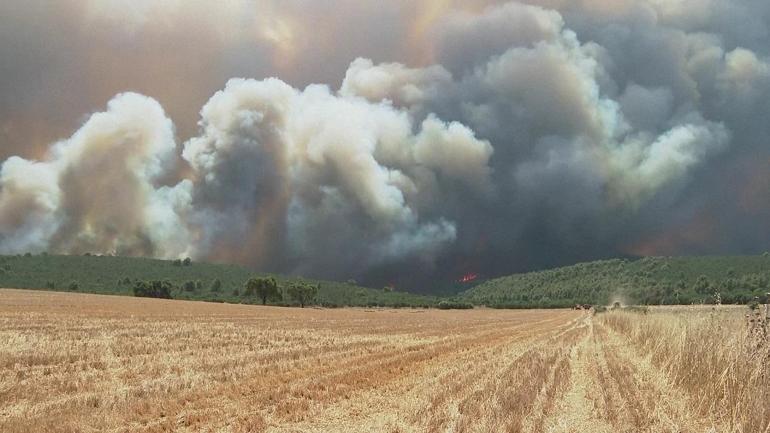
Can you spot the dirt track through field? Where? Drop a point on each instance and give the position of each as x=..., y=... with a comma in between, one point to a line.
x=71, y=362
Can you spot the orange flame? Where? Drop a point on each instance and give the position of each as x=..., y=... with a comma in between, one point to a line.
x=468, y=278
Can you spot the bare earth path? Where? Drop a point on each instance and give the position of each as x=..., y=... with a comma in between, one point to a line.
x=614, y=389
x=72, y=362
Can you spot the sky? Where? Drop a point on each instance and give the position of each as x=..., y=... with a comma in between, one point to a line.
x=400, y=142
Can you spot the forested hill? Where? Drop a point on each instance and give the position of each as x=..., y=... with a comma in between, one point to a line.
x=186, y=280
x=652, y=280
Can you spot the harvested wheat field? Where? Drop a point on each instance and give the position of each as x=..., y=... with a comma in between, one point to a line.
x=89, y=363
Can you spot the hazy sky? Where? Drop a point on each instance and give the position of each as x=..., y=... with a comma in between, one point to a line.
x=387, y=141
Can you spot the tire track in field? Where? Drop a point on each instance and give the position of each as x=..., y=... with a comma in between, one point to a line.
x=407, y=393
x=523, y=388
x=580, y=409
x=194, y=385
x=232, y=369
x=441, y=396
x=294, y=394
x=614, y=389
x=660, y=406
x=558, y=380
x=465, y=407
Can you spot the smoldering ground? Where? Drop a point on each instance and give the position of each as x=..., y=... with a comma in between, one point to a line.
x=442, y=139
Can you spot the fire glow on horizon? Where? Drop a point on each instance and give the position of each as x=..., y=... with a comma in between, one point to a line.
x=467, y=278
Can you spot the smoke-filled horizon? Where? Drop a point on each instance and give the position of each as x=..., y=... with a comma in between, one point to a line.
x=388, y=142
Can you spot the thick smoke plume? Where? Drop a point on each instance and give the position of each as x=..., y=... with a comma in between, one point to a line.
x=539, y=133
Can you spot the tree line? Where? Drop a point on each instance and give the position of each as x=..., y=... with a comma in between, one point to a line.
x=189, y=279
x=647, y=281
x=263, y=289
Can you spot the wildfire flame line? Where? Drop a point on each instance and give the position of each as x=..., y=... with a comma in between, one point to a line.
x=467, y=278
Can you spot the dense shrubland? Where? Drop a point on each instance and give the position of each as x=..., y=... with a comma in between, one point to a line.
x=648, y=281
x=652, y=280
x=186, y=279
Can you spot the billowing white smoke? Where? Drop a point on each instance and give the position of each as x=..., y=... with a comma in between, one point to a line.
x=277, y=174
x=95, y=191
x=281, y=173
x=521, y=117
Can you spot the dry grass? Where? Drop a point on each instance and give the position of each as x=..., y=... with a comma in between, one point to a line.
x=86, y=363
x=72, y=362
x=712, y=356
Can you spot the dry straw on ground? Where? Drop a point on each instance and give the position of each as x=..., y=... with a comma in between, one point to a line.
x=72, y=362
x=711, y=354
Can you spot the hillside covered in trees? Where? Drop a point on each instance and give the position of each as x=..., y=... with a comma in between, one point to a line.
x=185, y=279
x=651, y=280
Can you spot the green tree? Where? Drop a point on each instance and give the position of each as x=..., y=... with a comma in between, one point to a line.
x=216, y=285
x=302, y=293
x=263, y=288
x=702, y=285
x=189, y=286
x=153, y=289
x=73, y=286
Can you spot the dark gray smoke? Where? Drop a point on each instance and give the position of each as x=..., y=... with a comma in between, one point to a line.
x=474, y=137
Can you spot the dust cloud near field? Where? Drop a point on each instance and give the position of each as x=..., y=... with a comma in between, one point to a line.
x=75, y=362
